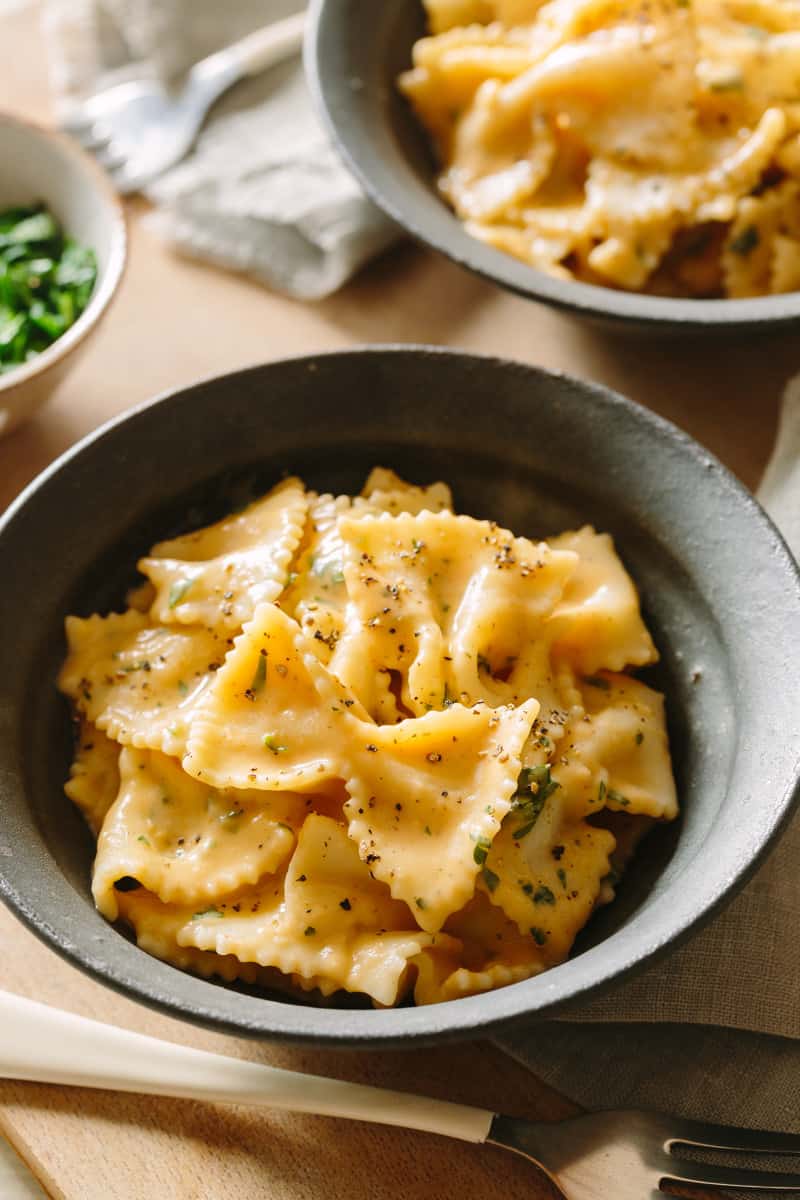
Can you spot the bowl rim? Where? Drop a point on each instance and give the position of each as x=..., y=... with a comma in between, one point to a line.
x=332, y=96
x=466, y=1016
x=107, y=283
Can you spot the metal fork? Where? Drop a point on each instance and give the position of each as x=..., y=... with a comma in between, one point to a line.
x=625, y=1155
x=138, y=129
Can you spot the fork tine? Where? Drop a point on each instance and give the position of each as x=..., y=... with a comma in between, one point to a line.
x=730, y=1137
x=703, y=1175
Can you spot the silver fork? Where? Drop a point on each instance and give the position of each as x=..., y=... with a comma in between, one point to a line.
x=625, y=1155
x=138, y=129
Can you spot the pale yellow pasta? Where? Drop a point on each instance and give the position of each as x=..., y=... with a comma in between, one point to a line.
x=137, y=682
x=218, y=575
x=649, y=125
x=401, y=759
x=184, y=841
x=94, y=775
x=597, y=622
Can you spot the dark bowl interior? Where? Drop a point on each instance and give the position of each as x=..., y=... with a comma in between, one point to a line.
x=354, y=52
x=538, y=452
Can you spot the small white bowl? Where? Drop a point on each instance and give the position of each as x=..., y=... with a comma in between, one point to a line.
x=37, y=164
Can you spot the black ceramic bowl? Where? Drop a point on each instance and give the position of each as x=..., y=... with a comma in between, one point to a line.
x=354, y=52
x=540, y=453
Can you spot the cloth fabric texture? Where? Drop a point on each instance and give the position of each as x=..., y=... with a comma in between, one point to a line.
x=263, y=191
x=712, y=1031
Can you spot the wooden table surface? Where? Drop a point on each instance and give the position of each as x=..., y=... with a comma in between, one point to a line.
x=175, y=321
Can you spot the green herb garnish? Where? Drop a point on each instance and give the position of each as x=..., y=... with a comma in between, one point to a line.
x=46, y=280
x=260, y=674
x=309, y=931
x=528, y=803
x=615, y=797
x=178, y=591
x=543, y=895
x=208, y=912
x=597, y=681
x=490, y=879
x=270, y=743
x=538, y=935
x=482, y=848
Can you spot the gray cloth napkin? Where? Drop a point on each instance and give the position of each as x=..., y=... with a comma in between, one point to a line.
x=264, y=191
x=713, y=1031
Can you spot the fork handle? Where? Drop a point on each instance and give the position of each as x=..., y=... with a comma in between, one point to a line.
x=48, y=1045
x=261, y=49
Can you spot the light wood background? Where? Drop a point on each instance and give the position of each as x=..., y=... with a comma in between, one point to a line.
x=175, y=321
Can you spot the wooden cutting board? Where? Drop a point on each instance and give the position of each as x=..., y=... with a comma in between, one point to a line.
x=173, y=322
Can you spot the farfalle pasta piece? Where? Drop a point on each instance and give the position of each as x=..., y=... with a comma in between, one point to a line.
x=157, y=925
x=94, y=775
x=136, y=682
x=427, y=797
x=622, y=743
x=216, y=576
x=330, y=920
x=288, y=721
x=597, y=622
x=435, y=598
x=386, y=491
x=491, y=952
x=545, y=870
x=186, y=842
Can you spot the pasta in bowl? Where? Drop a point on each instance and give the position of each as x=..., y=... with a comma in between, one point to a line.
x=364, y=744
x=646, y=146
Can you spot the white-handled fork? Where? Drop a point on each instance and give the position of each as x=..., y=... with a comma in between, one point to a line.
x=138, y=129
x=625, y=1155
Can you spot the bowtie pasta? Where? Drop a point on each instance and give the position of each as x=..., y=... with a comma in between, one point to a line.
x=650, y=145
x=366, y=744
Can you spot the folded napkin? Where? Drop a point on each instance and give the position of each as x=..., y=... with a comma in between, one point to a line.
x=713, y=1031
x=263, y=191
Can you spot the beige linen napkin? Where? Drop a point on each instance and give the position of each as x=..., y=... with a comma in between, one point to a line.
x=264, y=191
x=713, y=1031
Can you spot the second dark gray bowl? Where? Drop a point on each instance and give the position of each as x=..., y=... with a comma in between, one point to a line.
x=538, y=452
x=355, y=50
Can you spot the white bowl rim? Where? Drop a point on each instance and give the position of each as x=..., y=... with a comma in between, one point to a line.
x=108, y=282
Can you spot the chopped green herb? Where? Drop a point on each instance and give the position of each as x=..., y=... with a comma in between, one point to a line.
x=597, y=681
x=271, y=744
x=309, y=931
x=428, y=831
x=291, y=578
x=260, y=674
x=283, y=825
x=602, y=792
x=528, y=803
x=562, y=877
x=447, y=699
x=417, y=544
x=345, y=904
x=490, y=879
x=639, y=738
x=615, y=797
x=538, y=935
x=46, y=281
x=178, y=591
x=745, y=241
x=141, y=838
x=208, y=912
x=543, y=895
x=482, y=848
x=420, y=903
x=183, y=687
x=484, y=664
